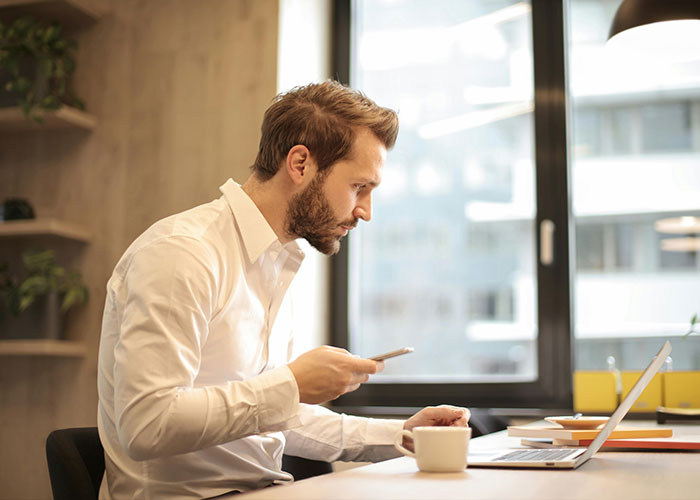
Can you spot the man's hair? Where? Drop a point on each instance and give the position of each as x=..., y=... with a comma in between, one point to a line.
x=323, y=117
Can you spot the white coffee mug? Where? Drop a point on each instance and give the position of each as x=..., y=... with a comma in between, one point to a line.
x=438, y=449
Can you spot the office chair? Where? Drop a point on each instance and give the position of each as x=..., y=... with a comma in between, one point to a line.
x=302, y=468
x=76, y=463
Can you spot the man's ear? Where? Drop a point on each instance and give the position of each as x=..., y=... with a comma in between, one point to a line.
x=298, y=163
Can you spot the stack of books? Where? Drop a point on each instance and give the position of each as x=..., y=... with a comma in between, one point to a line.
x=621, y=438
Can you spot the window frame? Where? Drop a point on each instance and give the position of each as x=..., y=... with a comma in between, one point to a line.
x=553, y=387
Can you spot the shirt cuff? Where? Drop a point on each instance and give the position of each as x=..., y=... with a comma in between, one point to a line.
x=383, y=431
x=278, y=394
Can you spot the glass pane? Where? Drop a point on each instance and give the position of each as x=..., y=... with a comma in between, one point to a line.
x=635, y=162
x=447, y=263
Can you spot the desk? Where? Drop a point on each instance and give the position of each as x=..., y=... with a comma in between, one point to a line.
x=607, y=475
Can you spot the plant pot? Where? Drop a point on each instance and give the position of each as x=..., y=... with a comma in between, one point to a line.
x=27, y=68
x=43, y=320
x=7, y=99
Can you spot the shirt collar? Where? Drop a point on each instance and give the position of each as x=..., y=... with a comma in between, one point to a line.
x=256, y=233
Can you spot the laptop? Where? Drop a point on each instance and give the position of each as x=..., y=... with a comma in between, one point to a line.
x=568, y=458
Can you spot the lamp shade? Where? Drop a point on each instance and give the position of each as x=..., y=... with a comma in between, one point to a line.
x=634, y=13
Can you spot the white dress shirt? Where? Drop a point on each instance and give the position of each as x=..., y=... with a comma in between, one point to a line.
x=195, y=398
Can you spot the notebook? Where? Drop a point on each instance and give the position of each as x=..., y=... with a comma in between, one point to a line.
x=569, y=458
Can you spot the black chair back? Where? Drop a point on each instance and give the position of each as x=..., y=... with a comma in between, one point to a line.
x=303, y=468
x=76, y=463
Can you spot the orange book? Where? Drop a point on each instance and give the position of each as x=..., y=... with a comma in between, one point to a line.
x=686, y=443
x=578, y=434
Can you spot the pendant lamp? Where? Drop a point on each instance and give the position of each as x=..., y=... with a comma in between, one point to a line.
x=659, y=30
x=636, y=13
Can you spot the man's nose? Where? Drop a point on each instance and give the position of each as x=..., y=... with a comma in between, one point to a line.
x=363, y=210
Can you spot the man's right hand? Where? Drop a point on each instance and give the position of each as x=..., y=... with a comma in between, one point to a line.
x=326, y=373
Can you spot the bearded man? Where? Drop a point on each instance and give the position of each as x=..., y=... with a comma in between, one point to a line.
x=198, y=393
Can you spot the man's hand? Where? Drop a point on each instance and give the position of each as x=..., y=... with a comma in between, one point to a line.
x=326, y=373
x=443, y=415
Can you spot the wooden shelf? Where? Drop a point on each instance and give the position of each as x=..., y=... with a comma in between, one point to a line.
x=42, y=347
x=72, y=14
x=63, y=118
x=43, y=227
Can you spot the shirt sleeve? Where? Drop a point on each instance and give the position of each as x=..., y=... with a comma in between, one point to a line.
x=330, y=436
x=168, y=298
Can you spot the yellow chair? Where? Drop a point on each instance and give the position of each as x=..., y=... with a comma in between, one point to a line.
x=595, y=391
x=650, y=398
x=682, y=389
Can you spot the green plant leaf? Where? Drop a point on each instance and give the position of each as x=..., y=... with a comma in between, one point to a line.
x=38, y=260
x=693, y=321
x=30, y=289
x=25, y=302
x=52, y=33
x=73, y=297
x=35, y=285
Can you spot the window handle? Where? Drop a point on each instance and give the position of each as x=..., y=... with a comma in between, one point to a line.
x=547, y=228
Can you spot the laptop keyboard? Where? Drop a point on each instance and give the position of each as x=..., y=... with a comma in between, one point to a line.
x=534, y=455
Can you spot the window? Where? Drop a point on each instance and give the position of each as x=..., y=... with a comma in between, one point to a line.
x=635, y=161
x=450, y=263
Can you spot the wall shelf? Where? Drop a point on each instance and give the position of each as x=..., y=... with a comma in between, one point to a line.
x=42, y=347
x=72, y=14
x=12, y=119
x=43, y=227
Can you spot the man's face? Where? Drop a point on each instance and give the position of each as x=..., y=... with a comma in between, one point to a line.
x=333, y=201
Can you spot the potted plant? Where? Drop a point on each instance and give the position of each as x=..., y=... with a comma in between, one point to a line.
x=694, y=325
x=33, y=306
x=36, y=63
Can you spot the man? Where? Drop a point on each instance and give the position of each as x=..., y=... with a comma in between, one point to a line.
x=197, y=394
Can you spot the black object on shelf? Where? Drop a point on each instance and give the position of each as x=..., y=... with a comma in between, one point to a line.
x=15, y=209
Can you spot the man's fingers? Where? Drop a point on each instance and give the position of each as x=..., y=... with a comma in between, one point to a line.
x=456, y=411
x=460, y=414
x=448, y=415
x=461, y=417
x=358, y=378
x=352, y=388
x=366, y=366
x=460, y=422
x=336, y=349
x=326, y=372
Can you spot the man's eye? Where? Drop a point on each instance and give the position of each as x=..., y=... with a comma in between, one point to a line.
x=360, y=187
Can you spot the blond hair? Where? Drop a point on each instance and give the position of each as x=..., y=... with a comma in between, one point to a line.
x=322, y=117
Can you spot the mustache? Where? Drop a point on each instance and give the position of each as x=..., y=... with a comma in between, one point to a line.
x=352, y=223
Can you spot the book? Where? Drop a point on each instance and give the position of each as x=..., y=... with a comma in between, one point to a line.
x=686, y=443
x=562, y=433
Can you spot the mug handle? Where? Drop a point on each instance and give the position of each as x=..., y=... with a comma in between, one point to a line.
x=399, y=438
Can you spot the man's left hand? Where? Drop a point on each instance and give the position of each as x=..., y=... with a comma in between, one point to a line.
x=443, y=415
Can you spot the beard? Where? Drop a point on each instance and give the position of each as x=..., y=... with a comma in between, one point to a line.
x=310, y=216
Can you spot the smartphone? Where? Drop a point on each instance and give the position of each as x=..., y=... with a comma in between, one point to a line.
x=392, y=354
